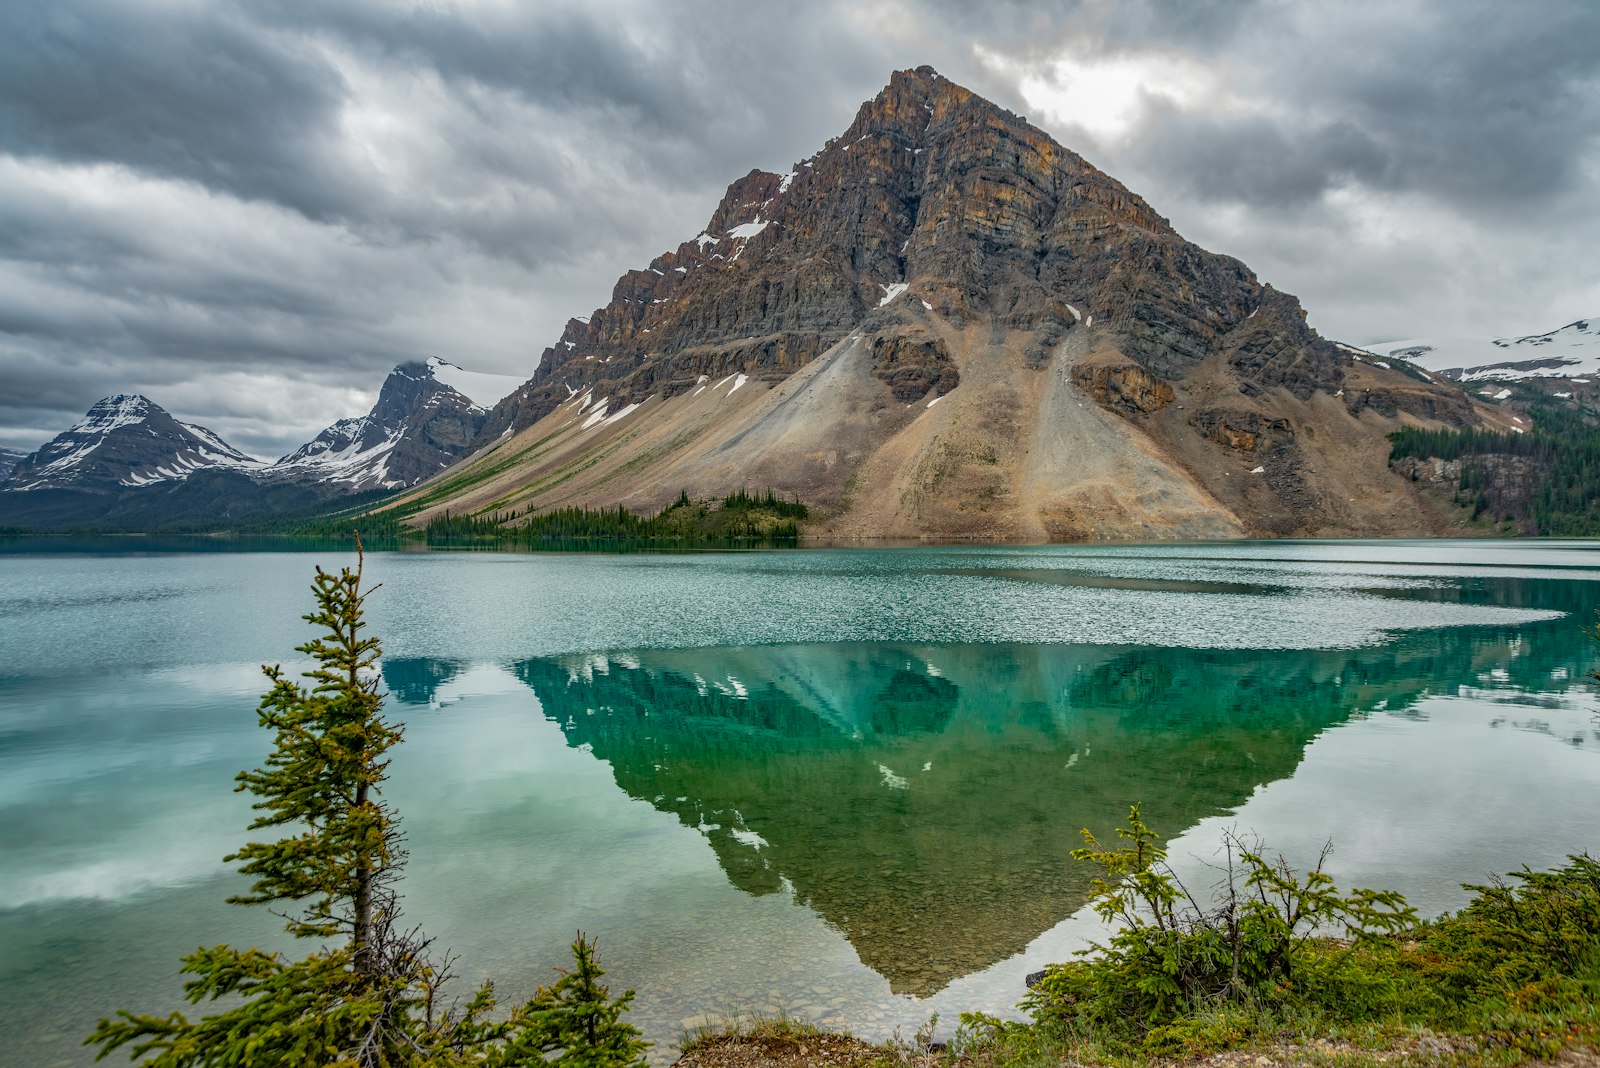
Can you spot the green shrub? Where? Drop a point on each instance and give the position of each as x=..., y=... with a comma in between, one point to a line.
x=1197, y=1036
x=1516, y=972
x=1522, y=945
x=1258, y=940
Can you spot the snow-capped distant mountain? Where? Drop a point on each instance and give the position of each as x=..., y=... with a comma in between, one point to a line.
x=129, y=465
x=9, y=458
x=425, y=419
x=125, y=440
x=1573, y=351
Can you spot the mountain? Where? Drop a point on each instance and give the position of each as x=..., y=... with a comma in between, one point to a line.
x=427, y=415
x=1573, y=351
x=945, y=324
x=128, y=464
x=1543, y=477
x=125, y=441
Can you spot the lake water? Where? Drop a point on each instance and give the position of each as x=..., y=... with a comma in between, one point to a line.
x=837, y=784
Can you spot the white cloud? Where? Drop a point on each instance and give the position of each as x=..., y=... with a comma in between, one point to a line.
x=1109, y=95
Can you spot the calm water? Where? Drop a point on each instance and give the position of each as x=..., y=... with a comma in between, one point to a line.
x=837, y=784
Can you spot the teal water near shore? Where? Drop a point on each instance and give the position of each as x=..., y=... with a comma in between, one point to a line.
x=839, y=784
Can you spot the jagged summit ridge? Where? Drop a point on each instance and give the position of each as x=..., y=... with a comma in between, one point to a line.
x=425, y=419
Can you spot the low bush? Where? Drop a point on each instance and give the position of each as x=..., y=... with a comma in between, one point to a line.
x=1275, y=955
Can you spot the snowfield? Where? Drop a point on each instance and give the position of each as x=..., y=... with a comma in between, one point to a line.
x=1572, y=350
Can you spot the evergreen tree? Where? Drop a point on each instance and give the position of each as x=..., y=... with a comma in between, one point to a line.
x=369, y=997
x=322, y=778
x=576, y=1018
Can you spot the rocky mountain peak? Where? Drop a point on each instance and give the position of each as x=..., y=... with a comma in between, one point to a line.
x=427, y=414
x=744, y=202
x=120, y=409
x=1095, y=374
x=932, y=197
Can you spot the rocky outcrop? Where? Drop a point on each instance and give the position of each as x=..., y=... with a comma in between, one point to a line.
x=1243, y=431
x=1126, y=388
x=1437, y=405
x=1502, y=487
x=913, y=366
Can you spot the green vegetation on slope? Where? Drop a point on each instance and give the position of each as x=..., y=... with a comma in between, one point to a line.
x=738, y=519
x=1545, y=481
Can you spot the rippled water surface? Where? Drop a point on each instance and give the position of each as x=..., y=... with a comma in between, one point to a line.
x=839, y=784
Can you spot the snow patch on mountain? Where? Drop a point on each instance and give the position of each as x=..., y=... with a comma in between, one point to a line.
x=745, y=231
x=1571, y=350
x=345, y=452
x=113, y=413
x=426, y=414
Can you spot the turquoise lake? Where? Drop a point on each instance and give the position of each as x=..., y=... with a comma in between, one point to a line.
x=839, y=784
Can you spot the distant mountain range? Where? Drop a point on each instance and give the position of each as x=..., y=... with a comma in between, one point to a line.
x=129, y=464
x=1573, y=351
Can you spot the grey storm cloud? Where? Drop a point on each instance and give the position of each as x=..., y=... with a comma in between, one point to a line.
x=1480, y=104
x=252, y=210
x=181, y=91
x=1260, y=162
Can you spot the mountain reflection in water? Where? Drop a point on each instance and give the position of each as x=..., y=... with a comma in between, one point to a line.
x=924, y=799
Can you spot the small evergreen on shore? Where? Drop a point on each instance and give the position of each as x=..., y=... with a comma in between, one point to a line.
x=372, y=994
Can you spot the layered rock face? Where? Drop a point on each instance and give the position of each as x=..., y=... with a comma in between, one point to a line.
x=943, y=247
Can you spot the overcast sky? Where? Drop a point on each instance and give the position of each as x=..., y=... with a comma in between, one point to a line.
x=251, y=211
